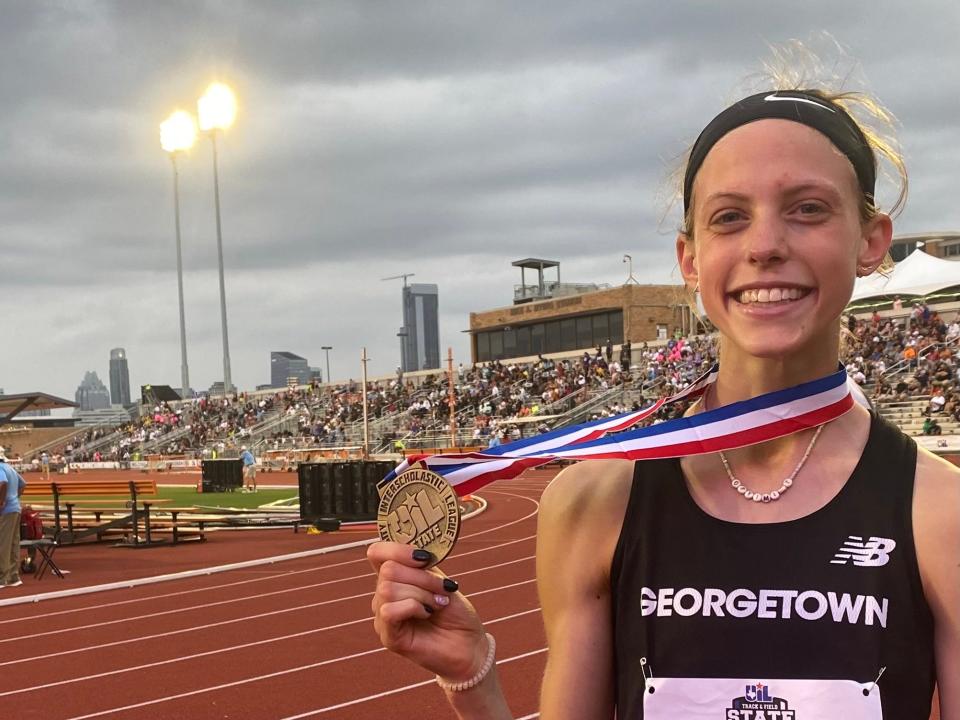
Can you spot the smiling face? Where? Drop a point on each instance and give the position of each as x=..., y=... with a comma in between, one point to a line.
x=777, y=240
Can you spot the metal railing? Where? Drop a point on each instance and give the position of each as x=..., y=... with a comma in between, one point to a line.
x=904, y=365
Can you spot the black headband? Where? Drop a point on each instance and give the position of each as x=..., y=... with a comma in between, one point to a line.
x=798, y=106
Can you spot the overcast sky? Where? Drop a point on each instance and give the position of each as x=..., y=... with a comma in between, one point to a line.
x=444, y=139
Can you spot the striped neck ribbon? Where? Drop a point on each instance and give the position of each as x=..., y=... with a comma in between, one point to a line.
x=758, y=419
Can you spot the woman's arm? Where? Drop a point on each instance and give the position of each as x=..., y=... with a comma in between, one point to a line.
x=936, y=530
x=445, y=639
x=581, y=514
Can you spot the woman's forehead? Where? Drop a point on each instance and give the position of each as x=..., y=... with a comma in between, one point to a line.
x=773, y=151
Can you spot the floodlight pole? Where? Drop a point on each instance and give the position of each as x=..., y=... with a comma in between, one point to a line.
x=452, y=399
x=366, y=424
x=227, y=383
x=184, y=371
x=327, y=349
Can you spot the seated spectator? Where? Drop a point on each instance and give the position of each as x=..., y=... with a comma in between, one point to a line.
x=937, y=401
x=931, y=427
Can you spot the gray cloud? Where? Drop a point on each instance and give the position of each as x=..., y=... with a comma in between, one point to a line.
x=440, y=138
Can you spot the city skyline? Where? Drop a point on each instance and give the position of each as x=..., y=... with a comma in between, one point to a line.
x=420, y=333
x=91, y=393
x=285, y=365
x=119, y=377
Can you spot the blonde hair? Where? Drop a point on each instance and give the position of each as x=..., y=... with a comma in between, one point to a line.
x=795, y=65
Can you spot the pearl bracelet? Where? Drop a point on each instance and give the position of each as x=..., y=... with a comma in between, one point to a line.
x=481, y=673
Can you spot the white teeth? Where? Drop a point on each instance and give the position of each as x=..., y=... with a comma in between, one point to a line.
x=764, y=295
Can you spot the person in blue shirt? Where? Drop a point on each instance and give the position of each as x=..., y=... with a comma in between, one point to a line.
x=11, y=488
x=249, y=469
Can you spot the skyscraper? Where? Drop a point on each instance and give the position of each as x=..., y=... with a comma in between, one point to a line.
x=92, y=394
x=420, y=335
x=119, y=377
x=285, y=365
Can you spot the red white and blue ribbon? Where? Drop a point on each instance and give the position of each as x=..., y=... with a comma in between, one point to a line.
x=762, y=418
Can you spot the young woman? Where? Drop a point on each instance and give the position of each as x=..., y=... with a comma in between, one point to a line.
x=798, y=600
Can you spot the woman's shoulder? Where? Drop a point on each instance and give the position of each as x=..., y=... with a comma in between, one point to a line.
x=936, y=486
x=581, y=516
x=588, y=491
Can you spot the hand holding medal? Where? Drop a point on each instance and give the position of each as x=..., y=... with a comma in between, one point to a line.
x=419, y=508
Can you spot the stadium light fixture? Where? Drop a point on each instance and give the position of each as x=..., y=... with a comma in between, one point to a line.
x=217, y=109
x=178, y=133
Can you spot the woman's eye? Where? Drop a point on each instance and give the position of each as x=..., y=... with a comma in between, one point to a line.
x=810, y=208
x=728, y=216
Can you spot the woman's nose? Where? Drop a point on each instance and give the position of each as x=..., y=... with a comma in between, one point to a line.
x=766, y=240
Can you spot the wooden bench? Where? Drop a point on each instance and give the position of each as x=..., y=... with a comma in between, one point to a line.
x=134, y=510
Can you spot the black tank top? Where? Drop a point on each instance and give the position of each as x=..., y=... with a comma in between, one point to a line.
x=833, y=595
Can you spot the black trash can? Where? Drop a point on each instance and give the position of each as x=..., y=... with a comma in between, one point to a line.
x=221, y=475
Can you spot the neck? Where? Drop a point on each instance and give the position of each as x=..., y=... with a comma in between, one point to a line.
x=743, y=376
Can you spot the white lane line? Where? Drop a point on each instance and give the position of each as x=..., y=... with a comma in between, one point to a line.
x=207, y=653
x=182, y=575
x=101, y=606
x=244, y=598
x=255, y=643
x=250, y=597
x=221, y=586
x=220, y=623
x=288, y=671
x=25, y=599
x=386, y=693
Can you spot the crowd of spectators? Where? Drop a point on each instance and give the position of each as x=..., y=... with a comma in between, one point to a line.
x=499, y=401
x=552, y=387
x=191, y=426
x=922, y=343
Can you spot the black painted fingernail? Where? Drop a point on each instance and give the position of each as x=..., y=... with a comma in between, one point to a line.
x=422, y=555
x=450, y=585
x=428, y=609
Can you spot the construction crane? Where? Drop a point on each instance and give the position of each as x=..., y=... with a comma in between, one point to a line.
x=397, y=277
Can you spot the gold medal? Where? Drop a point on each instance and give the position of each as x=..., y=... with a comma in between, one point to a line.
x=418, y=507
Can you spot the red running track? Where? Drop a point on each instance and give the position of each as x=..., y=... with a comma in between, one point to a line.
x=293, y=639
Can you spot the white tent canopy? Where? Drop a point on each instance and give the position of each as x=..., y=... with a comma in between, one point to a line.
x=918, y=274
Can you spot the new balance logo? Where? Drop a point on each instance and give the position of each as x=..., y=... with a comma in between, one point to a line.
x=872, y=553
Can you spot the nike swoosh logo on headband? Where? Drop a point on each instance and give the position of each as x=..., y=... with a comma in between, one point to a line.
x=774, y=98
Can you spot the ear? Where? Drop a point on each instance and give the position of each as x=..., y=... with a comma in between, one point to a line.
x=687, y=260
x=877, y=236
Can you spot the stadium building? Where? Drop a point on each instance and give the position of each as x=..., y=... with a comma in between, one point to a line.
x=553, y=317
x=944, y=245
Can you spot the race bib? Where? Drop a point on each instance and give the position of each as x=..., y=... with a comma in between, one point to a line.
x=668, y=698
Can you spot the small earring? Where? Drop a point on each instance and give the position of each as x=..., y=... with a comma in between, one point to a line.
x=864, y=270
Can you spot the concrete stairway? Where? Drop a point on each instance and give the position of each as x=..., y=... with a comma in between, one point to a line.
x=908, y=415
